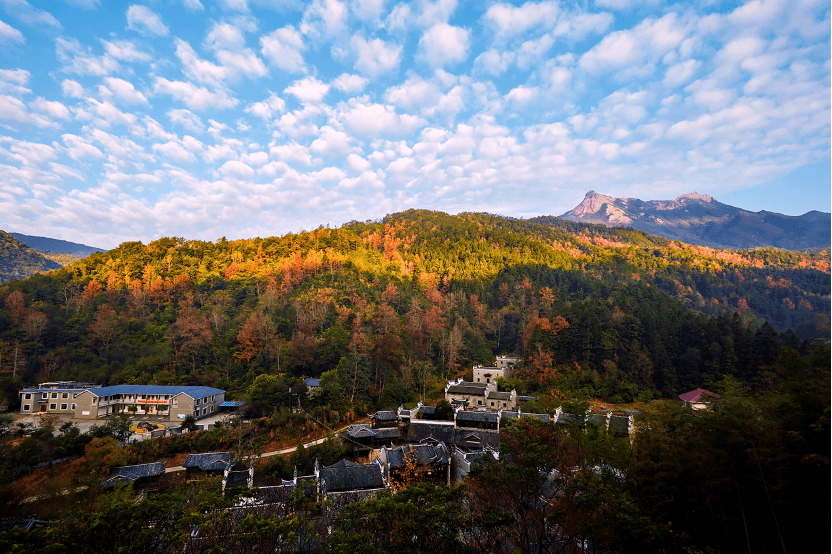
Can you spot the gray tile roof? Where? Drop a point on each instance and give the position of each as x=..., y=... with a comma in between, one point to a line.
x=469, y=416
x=422, y=431
x=348, y=476
x=467, y=388
x=209, y=461
x=387, y=433
x=619, y=425
x=128, y=474
x=494, y=395
x=597, y=419
x=423, y=454
x=429, y=432
x=385, y=415
x=360, y=431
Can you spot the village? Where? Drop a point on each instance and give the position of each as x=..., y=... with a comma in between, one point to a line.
x=439, y=444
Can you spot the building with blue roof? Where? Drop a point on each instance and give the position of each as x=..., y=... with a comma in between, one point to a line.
x=174, y=403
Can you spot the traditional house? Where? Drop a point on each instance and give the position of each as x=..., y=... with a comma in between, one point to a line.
x=199, y=466
x=421, y=462
x=344, y=481
x=462, y=462
x=233, y=478
x=363, y=438
x=495, y=400
x=699, y=399
x=477, y=420
x=466, y=393
x=384, y=419
x=144, y=476
x=435, y=432
x=506, y=415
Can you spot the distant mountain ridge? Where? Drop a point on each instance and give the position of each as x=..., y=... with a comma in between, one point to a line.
x=700, y=219
x=17, y=260
x=45, y=244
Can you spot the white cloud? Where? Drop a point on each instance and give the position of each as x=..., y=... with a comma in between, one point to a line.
x=625, y=5
x=125, y=50
x=125, y=91
x=415, y=93
x=73, y=89
x=324, y=18
x=331, y=141
x=291, y=152
x=284, y=47
x=145, y=22
x=14, y=81
x=12, y=111
x=109, y=114
x=175, y=151
x=236, y=169
x=54, y=109
x=235, y=5
x=308, y=90
x=198, y=69
x=680, y=73
x=522, y=94
x=10, y=34
x=436, y=12
x=493, y=62
x=224, y=36
x=646, y=42
x=23, y=11
x=376, y=56
x=196, y=98
x=368, y=10
x=268, y=108
x=155, y=129
x=377, y=120
x=509, y=20
x=193, y=5
x=187, y=119
x=350, y=83
x=79, y=148
x=77, y=59
x=443, y=44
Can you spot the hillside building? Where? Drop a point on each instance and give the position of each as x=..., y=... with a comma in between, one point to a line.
x=86, y=401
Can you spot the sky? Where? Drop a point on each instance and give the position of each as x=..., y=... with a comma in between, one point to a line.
x=246, y=118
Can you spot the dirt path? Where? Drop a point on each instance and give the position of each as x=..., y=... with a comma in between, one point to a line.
x=276, y=452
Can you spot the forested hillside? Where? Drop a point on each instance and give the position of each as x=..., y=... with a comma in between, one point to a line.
x=387, y=310
x=18, y=260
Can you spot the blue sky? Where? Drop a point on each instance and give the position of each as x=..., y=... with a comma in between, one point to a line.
x=245, y=118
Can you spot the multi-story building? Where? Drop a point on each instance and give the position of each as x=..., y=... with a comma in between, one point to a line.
x=57, y=397
x=85, y=401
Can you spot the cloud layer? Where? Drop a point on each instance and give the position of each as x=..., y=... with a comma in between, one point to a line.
x=237, y=120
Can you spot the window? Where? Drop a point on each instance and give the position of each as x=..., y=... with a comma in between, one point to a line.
x=52, y=406
x=504, y=404
x=73, y=406
x=28, y=396
x=93, y=400
x=63, y=406
x=479, y=402
x=204, y=410
x=64, y=395
x=25, y=407
x=44, y=395
x=54, y=395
